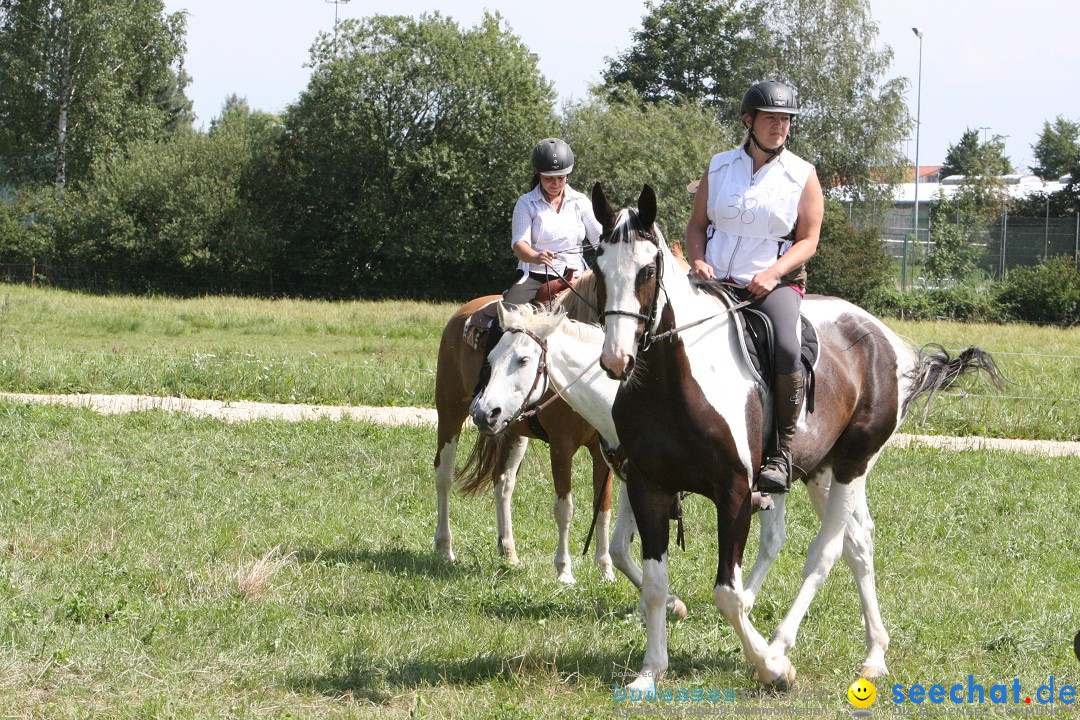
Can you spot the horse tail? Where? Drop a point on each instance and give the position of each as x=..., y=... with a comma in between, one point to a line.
x=935, y=370
x=481, y=465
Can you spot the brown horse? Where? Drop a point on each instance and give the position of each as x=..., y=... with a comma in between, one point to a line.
x=692, y=417
x=495, y=461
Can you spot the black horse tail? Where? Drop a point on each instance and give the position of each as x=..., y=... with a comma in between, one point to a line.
x=935, y=370
x=483, y=461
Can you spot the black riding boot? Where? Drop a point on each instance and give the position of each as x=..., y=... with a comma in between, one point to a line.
x=788, y=396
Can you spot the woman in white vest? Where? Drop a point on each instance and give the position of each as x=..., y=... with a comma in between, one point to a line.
x=550, y=225
x=756, y=221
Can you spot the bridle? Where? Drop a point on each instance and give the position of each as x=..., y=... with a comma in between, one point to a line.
x=528, y=409
x=646, y=338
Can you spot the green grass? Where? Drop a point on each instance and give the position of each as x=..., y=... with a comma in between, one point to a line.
x=122, y=539
x=385, y=353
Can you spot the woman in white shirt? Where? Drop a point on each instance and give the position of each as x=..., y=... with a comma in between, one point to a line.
x=550, y=224
x=756, y=221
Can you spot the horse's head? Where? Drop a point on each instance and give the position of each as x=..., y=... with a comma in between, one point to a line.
x=518, y=368
x=628, y=264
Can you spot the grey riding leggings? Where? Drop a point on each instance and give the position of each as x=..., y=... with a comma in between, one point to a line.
x=782, y=307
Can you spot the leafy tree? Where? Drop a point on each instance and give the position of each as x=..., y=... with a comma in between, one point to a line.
x=1058, y=149
x=954, y=256
x=403, y=158
x=624, y=145
x=969, y=157
x=853, y=119
x=81, y=79
x=689, y=50
x=176, y=215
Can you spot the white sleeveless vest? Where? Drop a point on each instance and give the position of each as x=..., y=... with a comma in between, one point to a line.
x=752, y=216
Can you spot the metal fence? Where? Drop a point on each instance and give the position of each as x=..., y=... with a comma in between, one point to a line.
x=1009, y=242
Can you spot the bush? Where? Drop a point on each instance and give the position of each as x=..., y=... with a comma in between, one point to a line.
x=954, y=255
x=26, y=229
x=959, y=302
x=1047, y=293
x=849, y=263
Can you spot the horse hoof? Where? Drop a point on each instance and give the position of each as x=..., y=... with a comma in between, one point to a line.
x=607, y=575
x=567, y=579
x=445, y=552
x=873, y=671
x=785, y=678
x=677, y=608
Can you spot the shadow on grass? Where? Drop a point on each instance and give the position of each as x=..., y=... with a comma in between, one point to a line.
x=379, y=679
x=397, y=561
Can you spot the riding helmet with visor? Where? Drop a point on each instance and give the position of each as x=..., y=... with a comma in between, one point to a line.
x=769, y=96
x=552, y=157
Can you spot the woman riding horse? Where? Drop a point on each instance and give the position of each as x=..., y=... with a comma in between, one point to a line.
x=756, y=220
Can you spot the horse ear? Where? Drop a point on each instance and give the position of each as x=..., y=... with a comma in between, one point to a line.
x=601, y=208
x=646, y=205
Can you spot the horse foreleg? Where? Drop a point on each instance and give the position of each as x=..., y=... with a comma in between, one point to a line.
x=651, y=508
x=621, y=537
x=512, y=452
x=822, y=554
x=732, y=600
x=773, y=537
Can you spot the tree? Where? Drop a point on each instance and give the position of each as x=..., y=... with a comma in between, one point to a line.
x=850, y=263
x=1058, y=149
x=852, y=121
x=624, y=145
x=969, y=157
x=81, y=79
x=403, y=158
x=177, y=215
x=689, y=50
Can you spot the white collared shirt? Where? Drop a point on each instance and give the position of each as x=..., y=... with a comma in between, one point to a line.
x=537, y=223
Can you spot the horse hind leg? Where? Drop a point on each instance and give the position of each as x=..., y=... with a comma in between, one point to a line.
x=444, y=483
x=512, y=452
x=826, y=547
x=859, y=556
x=858, y=553
x=602, y=480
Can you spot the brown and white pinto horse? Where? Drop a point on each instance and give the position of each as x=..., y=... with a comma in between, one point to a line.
x=691, y=417
x=496, y=461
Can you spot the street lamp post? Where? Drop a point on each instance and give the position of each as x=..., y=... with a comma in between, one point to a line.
x=918, y=127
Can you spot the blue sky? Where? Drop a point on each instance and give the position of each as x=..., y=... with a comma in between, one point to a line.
x=998, y=64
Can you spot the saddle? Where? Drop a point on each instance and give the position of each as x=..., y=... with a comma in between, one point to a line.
x=757, y=341
x=480, y=323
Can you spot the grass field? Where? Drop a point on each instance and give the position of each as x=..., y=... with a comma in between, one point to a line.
x=155, y=565
x=367, y=353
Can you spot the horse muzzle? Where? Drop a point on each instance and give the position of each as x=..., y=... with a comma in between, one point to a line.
x=490, y=421
x=617, y=367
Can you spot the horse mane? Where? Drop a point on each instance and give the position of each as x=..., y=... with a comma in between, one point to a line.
x=580, y=305
x=544, y=322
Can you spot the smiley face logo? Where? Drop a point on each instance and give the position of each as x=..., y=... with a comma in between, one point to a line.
x=862, y=693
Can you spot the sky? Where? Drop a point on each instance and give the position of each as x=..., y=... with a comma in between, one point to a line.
x=1002, y=67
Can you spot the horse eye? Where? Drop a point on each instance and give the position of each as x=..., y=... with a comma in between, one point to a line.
x=650, y=272
x=523, y=361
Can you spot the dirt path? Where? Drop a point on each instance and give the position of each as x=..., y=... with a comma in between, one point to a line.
x=239, y=411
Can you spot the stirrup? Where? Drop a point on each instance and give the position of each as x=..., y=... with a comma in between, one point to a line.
x=774, y=476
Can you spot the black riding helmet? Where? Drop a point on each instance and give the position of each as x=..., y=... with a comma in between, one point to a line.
x=552, y=157
x=769, y=96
